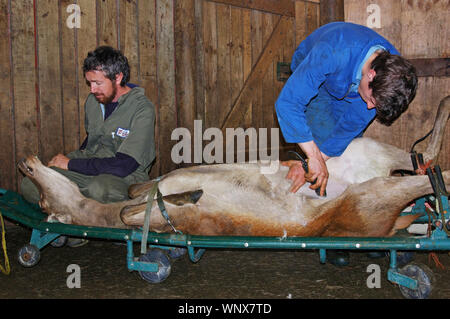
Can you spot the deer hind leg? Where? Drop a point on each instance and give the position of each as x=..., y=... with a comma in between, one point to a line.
x=372, y=208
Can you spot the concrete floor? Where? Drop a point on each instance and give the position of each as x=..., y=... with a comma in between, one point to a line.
x=220, y=274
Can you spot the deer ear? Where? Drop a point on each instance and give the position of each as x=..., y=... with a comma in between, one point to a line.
x=181, y=199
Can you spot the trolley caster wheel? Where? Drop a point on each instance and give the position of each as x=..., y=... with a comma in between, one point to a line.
x=59, y=242
x=158, y=257
x=29, y=255
x=425, y=280
x=176, y=252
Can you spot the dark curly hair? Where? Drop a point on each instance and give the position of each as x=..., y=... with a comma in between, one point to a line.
x=393, y=87
x=112, y=62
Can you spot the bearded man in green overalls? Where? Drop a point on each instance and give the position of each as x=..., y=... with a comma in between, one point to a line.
x=119, y=148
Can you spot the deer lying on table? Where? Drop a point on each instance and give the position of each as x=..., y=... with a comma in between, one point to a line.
x=239, y=200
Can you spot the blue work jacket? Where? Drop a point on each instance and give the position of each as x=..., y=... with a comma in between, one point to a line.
x=325, y=68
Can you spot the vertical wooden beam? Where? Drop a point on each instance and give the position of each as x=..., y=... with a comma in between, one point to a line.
x=128, y=36
x=223, y=62
x=107, y=23
x=199, y=62
x=147, y=66
x=86, y=40
x=7, y=132
x=236, y=56
x=185, y=65
x=210, y=60
x=331, y=10
x=257, y=48
x=247, y=60
x=307, y=16
x=267, y=93
x=51, y=131
x=300, y=21
x=166, y=80
x=69, y=74
x=247, y=45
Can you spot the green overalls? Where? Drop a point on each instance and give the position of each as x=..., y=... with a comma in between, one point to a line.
x=129, y=130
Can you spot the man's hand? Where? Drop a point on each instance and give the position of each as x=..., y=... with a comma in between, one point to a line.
x=296, y=174
x=317, y=169
x=60, y=161
x=317, y=172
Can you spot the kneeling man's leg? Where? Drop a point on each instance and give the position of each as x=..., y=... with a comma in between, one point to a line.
x=29, y=191
x=106, y=188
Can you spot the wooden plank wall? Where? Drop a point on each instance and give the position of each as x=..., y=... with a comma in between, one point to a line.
x=193, y=57
x=418, y=29
x=208, y=60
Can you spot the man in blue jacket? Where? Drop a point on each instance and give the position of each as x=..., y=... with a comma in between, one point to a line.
x=344, y=76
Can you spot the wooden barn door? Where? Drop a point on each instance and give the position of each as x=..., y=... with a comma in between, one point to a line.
x=227, y=52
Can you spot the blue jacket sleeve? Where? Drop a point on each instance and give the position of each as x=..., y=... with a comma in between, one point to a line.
x=298, y=91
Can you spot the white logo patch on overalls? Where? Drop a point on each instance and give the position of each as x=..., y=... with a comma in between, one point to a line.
x=122, y=132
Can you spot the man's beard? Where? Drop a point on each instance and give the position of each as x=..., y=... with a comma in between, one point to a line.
x=106, y=99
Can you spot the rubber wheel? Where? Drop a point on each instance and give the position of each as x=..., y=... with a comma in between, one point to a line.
x=158, y=257
x=59, y=242
x=177, y=252
x=424, y=277
x=29, y=255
